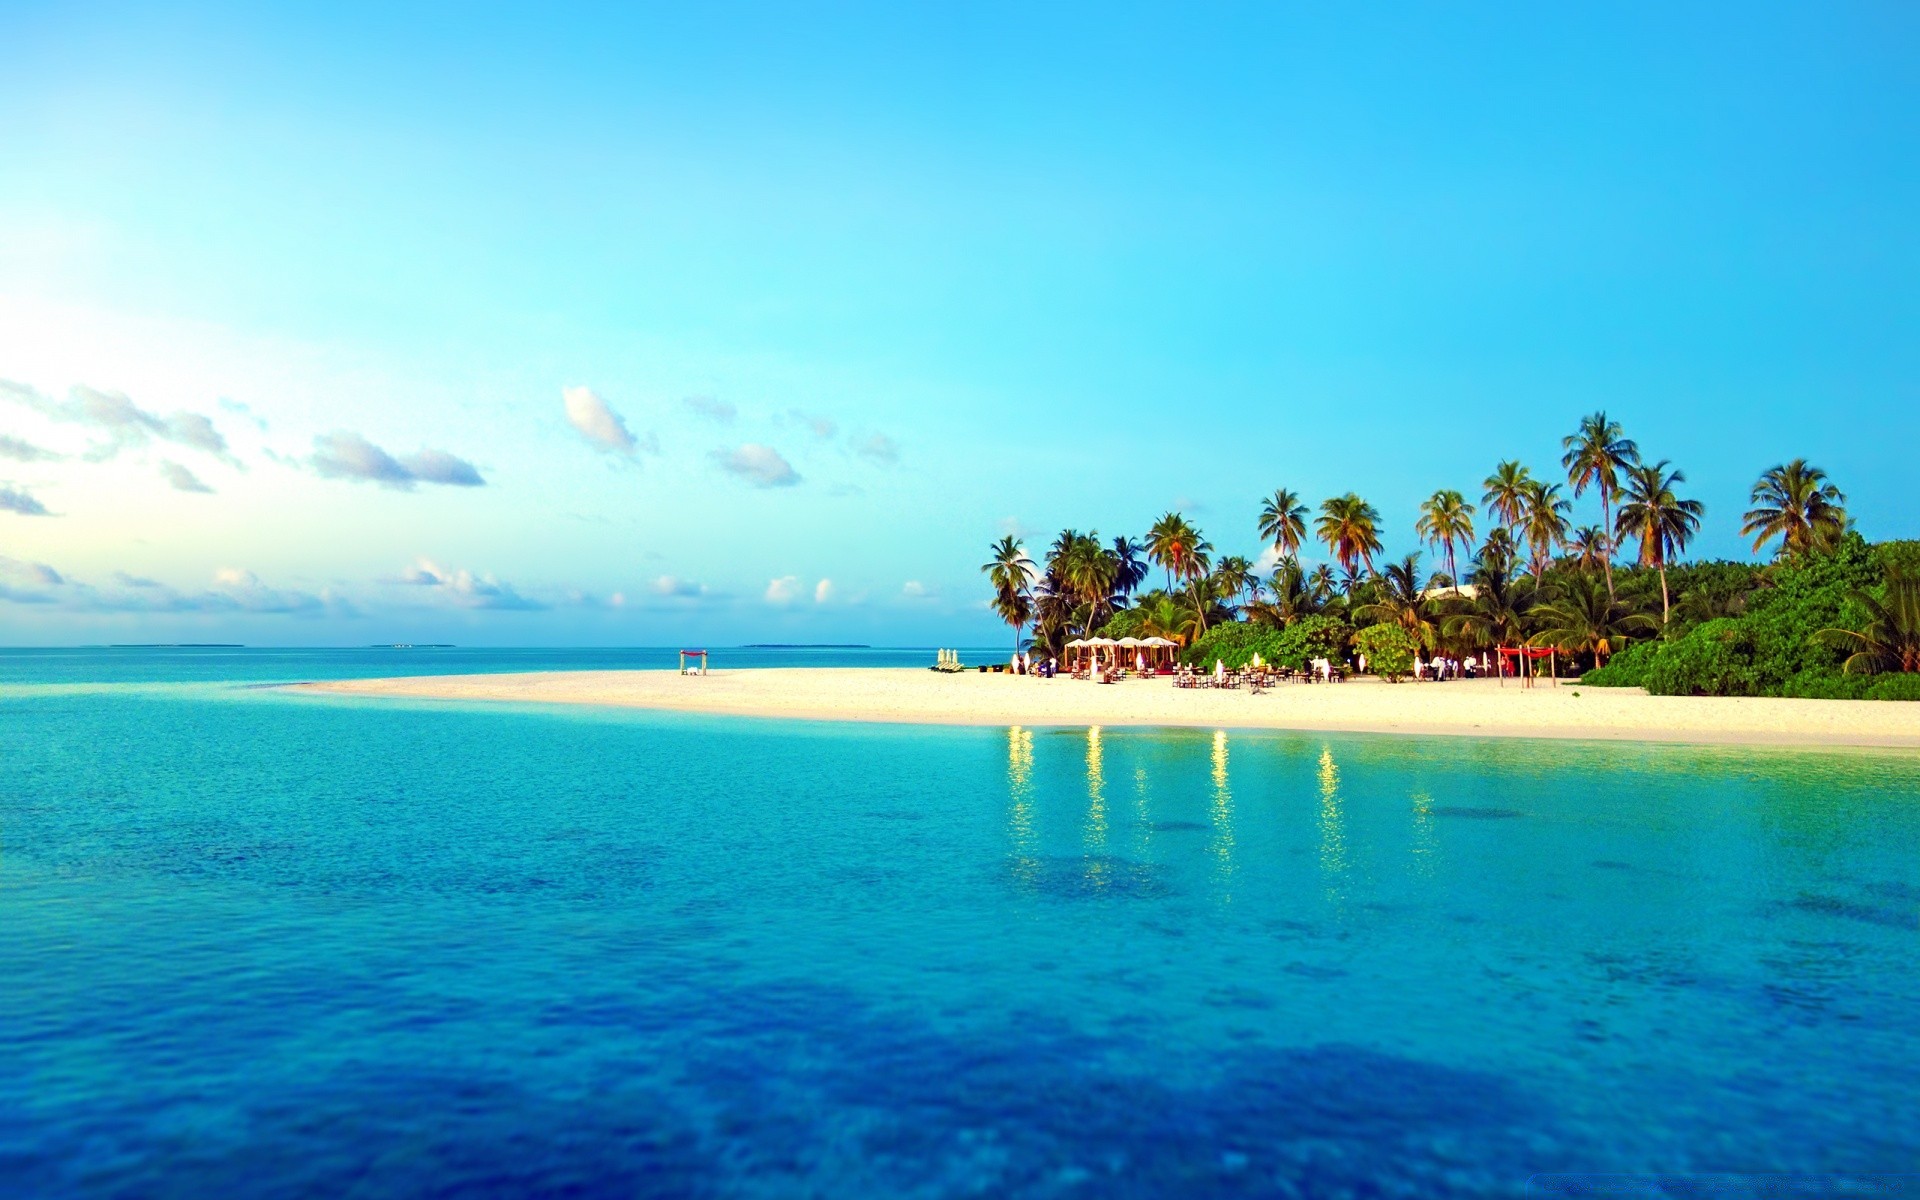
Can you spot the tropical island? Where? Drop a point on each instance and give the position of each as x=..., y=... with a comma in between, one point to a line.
x=1830, y=617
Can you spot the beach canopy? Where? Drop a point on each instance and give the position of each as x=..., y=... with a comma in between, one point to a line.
x=1102, y=642
x=1157, y=641
x=1131, y=642
x=1077, y=642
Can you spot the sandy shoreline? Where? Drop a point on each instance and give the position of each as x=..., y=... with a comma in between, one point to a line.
x=1481, y=708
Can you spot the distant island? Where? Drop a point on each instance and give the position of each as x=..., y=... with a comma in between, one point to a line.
x=411, y=646
x=177, y=646
x=806, y=646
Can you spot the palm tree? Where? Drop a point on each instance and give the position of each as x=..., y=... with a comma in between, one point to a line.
x=1506, y=494
x=1204, y=601
x=1283, y=522
x=1595, y=455
x=1795, y=503
x=1323, y=583
x=1496, y=616
x=1177, y=546
x=1583, y=619
x=1401, y=600
x=1890, y=640
x=1545, y=522
x=1090, y=571
x=1233, y=575
x=1661, y=521
x=1446, y=518
x=1162, y=616
x=1499, y=550
x=1130, y=568
x=1350, y=528
x=1589, y=547
x=1294, y=596
x=1010, y=572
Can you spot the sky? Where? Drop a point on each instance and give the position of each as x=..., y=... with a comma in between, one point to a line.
x=342, y=324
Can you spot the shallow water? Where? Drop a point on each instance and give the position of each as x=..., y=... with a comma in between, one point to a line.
x=263, y=944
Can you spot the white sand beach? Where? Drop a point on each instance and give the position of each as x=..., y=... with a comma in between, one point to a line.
x=1479, y=708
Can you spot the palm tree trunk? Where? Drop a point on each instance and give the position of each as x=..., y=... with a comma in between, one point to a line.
x=1606, y=560
x=1666, y=607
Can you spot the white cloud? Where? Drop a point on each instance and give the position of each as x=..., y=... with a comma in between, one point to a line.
x=599, y=424
x=913, y=589
x=759, y=465
x=18, y=501
x=712, y=409
x=823, y=591
x=234, y=590
x=879, y=448
x=123, y=423
x=678, y=589
x=181, y=479
x=465, y=588
x=783, y=589
x=346, y=455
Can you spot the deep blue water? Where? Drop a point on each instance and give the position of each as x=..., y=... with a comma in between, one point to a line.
x=262, y=944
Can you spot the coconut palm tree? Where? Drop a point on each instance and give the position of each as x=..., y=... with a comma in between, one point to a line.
x=1446, y=518
x=1583, y=619
x=1595, y=455
x=1795, y=503
x=1496, y=616
x=1283, y=522
x=1506, y=494
x=1090, y=571
x=1130, y=568
x=1499, y=550
x=1233, y=575
x=1163, y=616
x=1351, y=529
x=1659, y=519
x=1010, y=572
x=1544, y=522
x=1294, y=596
x=1401, y=600
x=1324, y=584
x=1589, y=548
x=1890, y=640
x=1176, y=545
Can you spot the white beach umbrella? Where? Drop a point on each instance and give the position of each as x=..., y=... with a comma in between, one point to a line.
x=1131, y=642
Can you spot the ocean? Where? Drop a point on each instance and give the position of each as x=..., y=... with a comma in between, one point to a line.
x=259, y=943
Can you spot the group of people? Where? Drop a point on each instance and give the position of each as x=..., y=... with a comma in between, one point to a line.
x=1023, y=664
x=1441, y=668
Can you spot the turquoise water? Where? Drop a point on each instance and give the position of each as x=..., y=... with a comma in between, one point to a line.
x=261, y=944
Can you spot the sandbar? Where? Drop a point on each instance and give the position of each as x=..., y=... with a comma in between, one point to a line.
x=1471, y=708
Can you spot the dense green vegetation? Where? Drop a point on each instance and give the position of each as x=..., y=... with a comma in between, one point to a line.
x=1829, y=616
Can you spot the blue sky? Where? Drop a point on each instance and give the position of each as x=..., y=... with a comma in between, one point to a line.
x=743, y=323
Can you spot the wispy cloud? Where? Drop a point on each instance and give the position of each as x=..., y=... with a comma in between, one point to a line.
x=712, y=408
x=762, y=466
x=822, y=427
x=18, y=451
x=346, y=455
x=880, y=449
x=21, y=502
x=594, y=419
x=467, y=589
x=783, y=590
x=913, y=589
x=120, y=422
x=234, y=590
x=181, y=479
x=823, y=591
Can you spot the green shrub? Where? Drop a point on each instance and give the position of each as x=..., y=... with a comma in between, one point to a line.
x=1312, y=637
x=1625, y=669
x=1827, y=685
x=1389, y=650
x=1234, y=643
x=1712, y=660
x=1895, y=687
